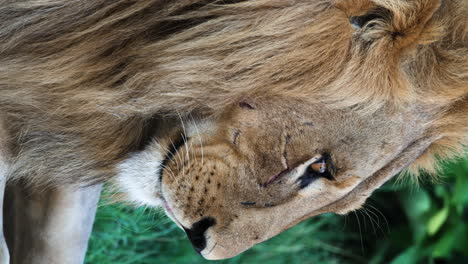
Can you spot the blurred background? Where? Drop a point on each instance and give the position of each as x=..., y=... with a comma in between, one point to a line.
x=400, y=224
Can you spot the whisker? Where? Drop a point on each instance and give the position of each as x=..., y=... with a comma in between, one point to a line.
x=359, y=211
x=175, y=155
x=378, y=220
x=345, y=222
x=373, y=224
x=199, y=139
x=182, y=159
x=184, y=137
x=190, y=145
x=179, y=160
x=380, y=213
x=360, y=231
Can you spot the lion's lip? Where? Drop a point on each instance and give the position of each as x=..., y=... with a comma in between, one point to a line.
x=169, y=212
x=166, y=206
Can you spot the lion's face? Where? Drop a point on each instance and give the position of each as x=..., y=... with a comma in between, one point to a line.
x=251, y=173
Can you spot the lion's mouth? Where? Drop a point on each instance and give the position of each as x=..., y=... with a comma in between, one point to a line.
x=166, y=206
x=169, y=212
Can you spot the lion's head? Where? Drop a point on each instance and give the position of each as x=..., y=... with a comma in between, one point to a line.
x=323, y=137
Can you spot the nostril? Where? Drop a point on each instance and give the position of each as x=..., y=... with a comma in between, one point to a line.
x=196, y=234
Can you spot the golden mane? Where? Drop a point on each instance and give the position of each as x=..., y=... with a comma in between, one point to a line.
x=63, y=62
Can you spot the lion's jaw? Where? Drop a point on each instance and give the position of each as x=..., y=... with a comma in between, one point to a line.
x=234, y=182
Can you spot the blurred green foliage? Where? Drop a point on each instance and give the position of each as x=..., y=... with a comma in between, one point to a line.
x=400, y=224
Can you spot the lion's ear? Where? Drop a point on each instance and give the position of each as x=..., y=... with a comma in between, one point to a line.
x=402, y=22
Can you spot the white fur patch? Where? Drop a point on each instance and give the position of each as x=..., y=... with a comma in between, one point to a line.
x=4, y=255
x=3, y=169
x=3, y=156
x=138, y=176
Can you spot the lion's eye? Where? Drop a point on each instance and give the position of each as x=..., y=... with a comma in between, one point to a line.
x=321, y=168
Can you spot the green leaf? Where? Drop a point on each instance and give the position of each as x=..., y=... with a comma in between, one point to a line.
x=447, y=243
x=408, y=256
x=460, y=195
x=436, y=221
x=416, y=204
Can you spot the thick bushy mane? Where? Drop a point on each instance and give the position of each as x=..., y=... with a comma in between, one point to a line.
x=80, y=78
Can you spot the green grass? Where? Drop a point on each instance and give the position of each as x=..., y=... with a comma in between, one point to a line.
x=400, y=224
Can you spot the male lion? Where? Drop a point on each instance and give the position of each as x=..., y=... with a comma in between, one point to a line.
x=239, y=118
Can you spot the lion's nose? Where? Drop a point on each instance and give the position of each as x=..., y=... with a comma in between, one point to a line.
x=196, y=234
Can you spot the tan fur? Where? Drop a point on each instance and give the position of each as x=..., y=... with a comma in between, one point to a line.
x=83, y=84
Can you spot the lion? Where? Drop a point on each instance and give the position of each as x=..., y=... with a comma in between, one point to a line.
x=239, y=118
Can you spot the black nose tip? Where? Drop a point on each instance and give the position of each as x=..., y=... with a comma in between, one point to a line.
x=196, y=234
